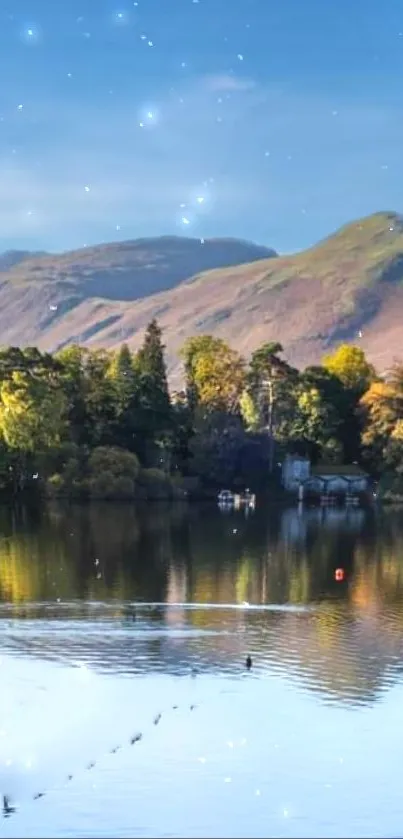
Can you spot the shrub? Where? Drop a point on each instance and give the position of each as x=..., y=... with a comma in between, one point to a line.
x=116, y=461
x=390, y=488
x=154, y=485
x=108, y=487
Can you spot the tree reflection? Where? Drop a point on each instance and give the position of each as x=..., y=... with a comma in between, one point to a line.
x=343, y=641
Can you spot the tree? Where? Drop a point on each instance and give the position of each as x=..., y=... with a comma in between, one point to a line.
x=183, y=432
x=382, y=409
x=216, y=447
x=74, y=382
x=29, y=361
x=32, y=421
x=215, y=374
x=31, y=413
x=154, y=407
x=317, y=421
x=267, y=370
x=150, y=358
x=124, y=376
x=126, y=383
x=100, y=397
x=113, y=473
x=193, y=348
x=350, y=365
x=249, y=411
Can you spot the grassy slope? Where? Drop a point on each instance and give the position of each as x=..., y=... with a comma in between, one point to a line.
x=309, y=301
x=132, y=269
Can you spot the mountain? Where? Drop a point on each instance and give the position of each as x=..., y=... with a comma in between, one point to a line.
x=349, y=287
x=45, y=298
x=10, y=258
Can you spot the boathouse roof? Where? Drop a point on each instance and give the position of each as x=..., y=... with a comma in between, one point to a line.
x=349, y=470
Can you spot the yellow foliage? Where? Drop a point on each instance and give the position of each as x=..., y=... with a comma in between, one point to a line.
x=397, y=432
x=350, y=365
x=31, y=413
x=309, y=399
x=381, y=406
x=377, y=392
x=217, y=372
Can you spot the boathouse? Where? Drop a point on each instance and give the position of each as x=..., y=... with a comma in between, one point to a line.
x=323, y=479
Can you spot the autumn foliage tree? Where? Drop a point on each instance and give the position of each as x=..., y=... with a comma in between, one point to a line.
x=382, y=407
x=215, y=374
x=350, y=365
x=32, y=408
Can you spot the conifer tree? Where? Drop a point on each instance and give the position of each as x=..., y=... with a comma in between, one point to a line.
x=154, y=402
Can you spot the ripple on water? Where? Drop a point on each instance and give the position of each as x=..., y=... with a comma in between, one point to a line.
x=307, y=742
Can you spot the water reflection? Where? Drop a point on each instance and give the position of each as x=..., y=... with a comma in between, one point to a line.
x=112, y=586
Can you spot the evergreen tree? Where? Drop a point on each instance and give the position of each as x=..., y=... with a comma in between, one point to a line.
x=124, y=376
x=155, y=416
x=150, y=358
x=126, y=381
x=75, y=387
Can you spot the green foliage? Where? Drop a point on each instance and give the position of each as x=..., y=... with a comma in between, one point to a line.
x=112, y=473
x=105, y=472
x=249, y=411
x=268, y=373
x=32, y=403
x=90, y=395
x=216, y=447
x=115, y=461
x=153, y=407
x=91, y=424
x=390, y=488
x=154, y=485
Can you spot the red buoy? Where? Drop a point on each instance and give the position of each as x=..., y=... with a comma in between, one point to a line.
x=339, y=575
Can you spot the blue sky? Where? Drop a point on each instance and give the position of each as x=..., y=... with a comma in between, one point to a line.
x=271, y=120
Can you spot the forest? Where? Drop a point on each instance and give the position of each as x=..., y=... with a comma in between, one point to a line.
x=95, y=424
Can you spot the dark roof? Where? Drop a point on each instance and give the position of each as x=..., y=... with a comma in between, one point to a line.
x=350, y=470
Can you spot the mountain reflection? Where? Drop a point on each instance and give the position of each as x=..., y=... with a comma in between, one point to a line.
x=73, y=580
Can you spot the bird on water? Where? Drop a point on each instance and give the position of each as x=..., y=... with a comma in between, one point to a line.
x=248, y=662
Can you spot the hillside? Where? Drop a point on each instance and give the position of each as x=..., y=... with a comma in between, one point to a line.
x=41, y=295
x=10, y=258
x=350, y=283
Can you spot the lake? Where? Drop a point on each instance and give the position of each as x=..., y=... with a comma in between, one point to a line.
x=117, y=622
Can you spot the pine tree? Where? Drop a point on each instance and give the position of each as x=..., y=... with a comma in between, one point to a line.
x=153, y=387
x=150, y=358
x=124, y=376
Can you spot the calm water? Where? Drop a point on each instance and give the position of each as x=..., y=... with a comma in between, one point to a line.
x=104, y=613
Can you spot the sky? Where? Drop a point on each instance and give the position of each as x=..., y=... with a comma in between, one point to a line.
x=270, y=120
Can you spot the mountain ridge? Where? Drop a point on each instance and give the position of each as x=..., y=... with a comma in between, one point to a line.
x=347, y=287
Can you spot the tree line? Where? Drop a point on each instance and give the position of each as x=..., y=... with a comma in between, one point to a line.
x=100, y=424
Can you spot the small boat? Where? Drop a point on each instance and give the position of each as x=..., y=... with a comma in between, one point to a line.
x=225, y=498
